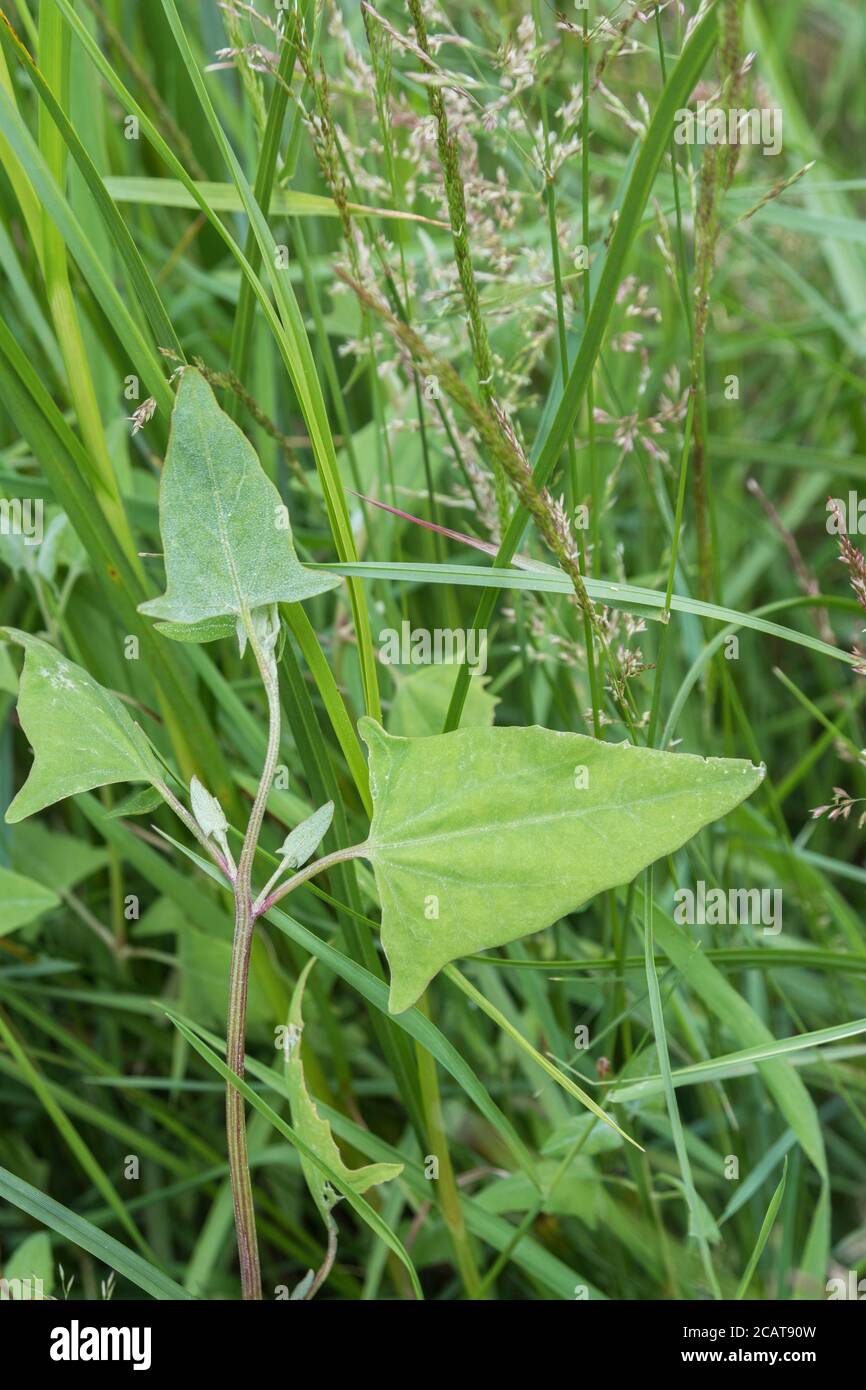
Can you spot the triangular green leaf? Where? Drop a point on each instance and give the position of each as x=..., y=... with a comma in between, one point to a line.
x=225, y=533
x=82, y=736
x=316, y=1132
x=482, y=836
x=22, y=900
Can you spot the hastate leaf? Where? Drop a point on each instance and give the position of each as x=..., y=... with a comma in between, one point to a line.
x=316, y=1132
x=81, y=734
x=482, y=836
x=226, y=537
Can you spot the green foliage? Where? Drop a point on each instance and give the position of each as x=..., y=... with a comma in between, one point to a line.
x=316, y=1132
x=81, y=734
x=31, y=1262
x=22, y=900
x=421, y=703
x=270, y=333
x=226, y=534
x=485, y=835
x=302, y=842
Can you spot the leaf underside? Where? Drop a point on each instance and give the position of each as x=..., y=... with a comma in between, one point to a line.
x=226, y=538
x=482, y=836
x=208, y=630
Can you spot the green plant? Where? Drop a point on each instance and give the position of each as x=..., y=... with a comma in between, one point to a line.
x=430, y=330
x=463, y=823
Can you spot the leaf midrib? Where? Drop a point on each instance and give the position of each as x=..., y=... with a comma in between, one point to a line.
x=222, y=526
x=491, y=827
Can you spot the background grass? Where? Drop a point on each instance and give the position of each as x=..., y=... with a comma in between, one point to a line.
x=144, y=203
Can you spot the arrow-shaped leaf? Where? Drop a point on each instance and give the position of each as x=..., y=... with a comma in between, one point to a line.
x=316, y=1132
x=225, y=532
x=82, y=736
x=484, y=835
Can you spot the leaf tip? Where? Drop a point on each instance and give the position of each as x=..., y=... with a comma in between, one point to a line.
x=403, y=993
x=373, y=734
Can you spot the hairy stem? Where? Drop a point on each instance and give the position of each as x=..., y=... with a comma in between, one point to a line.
x=236, y=1128
x=327, y=1264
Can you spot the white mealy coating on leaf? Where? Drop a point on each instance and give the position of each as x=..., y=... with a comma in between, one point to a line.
x=304, y=840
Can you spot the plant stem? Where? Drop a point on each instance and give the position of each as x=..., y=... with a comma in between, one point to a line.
x=192, y=825
x=236, y=1129
x=327, y=1264
x=264, y=902
x=449, y=1194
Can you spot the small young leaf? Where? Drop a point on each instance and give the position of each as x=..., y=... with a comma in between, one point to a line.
x=305, y=839
x=82, y=736
x=207, y=810
x=139, y=803
x=208, y=630
x=302, y=1288
x=266, y=629
x=482, y=836
x=225, y=533
x=316, y=1132
x=22, y=900
x=209, y=815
